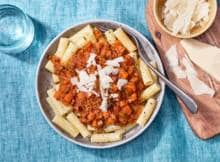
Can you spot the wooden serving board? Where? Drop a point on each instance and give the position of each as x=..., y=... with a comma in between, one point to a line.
x=206, y=122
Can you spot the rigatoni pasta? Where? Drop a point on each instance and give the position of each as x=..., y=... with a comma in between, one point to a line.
x=153, y=75
x=112, y=128
x=65, y=125
x=126, y=128
x=50, y=66
x=150, y=92
x=83, y=36
x=147, y=111
x=73, y=119
x=63, y=44
x=106, y=137
x=55, y=78
x=52, y=106
x=125, y=40
x=145, y=73
x=61, y=108
x=71, y=49
x=110, y=36
x=134, y=56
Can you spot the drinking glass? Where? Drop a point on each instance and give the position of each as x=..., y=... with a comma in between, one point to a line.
x=16, y=29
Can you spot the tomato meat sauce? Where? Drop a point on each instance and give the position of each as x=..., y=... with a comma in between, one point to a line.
x=123, y=109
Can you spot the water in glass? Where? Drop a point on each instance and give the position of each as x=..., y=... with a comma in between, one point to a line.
x=16, y=29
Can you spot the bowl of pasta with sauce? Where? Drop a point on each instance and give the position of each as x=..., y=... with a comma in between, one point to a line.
x=92, y=87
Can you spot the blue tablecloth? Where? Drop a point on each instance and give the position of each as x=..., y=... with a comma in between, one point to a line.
x=25, y=134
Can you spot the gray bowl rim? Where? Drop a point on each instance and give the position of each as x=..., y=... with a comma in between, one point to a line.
x=119, y=143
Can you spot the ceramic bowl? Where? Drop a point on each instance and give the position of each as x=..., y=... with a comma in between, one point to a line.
x=44, y=82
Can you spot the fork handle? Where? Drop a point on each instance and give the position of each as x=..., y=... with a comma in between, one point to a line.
x=188, y=101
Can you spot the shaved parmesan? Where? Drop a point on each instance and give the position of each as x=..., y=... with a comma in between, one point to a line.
x=121, y=83
x=198, y=86
x=115, y=62
x=114, y=95
x=104, y=73
x=188, y=16
x=104, y=104
x=201, y=12
x=91, y=60
x=105, y=80
x=173, y=62
x=172, y=56
x=179, y=72
x=189, y=67
x=86, y=82
x=181, y=16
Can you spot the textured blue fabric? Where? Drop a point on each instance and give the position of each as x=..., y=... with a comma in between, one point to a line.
x=26, y=136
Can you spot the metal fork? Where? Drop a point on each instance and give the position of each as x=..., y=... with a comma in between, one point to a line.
x=143, y=50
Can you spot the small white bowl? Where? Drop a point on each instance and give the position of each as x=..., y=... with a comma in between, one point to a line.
x=44, y=82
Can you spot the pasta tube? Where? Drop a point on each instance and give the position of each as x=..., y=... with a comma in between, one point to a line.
x=90, y=128
x=126, y=128
x=86, y=33
x=112, y=128
x=70, y=51
x=110, y=36
x=72, y=118
x=154, y=76
x=125, y=40
x=62, y=46
x=146, y=112
x=79, y=42
x=50, y=102
x=150, y=92
x=134, y=56
x=61, y=108
x=106, y=137
x=50, y=67
x=145, y=73
x=55, y=78
x=65, y=125
x=56, y=87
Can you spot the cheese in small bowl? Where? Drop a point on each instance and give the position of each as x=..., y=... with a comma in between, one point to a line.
x=185, y=18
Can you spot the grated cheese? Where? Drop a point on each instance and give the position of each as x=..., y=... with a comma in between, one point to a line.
x=114, y=95
x=91, y=60
x=86, y=82
x=121, y=83
x=115, y=62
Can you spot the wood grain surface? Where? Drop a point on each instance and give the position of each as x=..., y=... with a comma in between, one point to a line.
x=206, y=122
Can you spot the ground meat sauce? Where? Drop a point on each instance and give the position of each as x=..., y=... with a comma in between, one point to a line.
x=122, y=110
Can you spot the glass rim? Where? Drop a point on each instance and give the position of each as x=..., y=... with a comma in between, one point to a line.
x=2, y=6
x=10, y=48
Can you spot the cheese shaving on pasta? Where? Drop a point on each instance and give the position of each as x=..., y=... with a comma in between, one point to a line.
x=121, y=83
x=86, y=82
